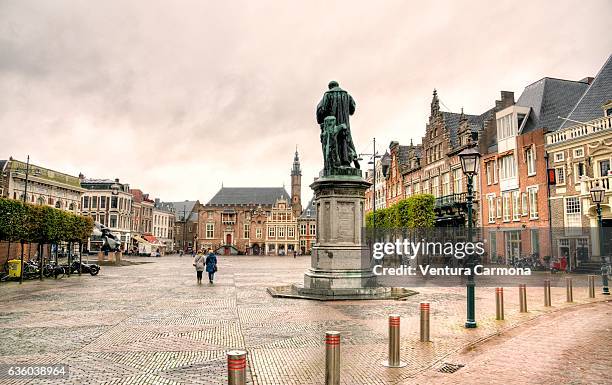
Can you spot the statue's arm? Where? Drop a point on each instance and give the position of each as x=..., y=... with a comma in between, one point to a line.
x=351, y=105
x=320, y=111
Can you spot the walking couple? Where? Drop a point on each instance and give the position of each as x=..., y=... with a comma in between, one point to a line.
x=208, y=263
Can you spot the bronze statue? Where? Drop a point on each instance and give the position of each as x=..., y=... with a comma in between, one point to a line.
x=336, y=140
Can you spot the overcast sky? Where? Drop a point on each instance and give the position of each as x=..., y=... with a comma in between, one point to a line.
x=176, y=97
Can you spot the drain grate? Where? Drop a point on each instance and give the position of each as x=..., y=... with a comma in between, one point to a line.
x=450, y=368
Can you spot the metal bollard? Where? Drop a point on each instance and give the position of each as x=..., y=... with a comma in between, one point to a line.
x=394, y=343
x=332, y=358
x=591, y=286
x=236, y=367
x=569, y=290
x=547, y=301
x=499, y=303
x=523, y=298
x=424, y=307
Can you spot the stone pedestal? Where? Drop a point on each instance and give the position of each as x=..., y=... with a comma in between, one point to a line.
x=340, y=262
x=337, y=262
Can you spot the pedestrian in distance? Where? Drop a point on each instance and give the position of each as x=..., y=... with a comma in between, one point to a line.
x=211, y=265
x=199, y=264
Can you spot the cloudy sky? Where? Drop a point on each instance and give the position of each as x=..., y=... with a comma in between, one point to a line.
x=176, y=97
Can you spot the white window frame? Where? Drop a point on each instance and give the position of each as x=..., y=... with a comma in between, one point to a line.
x=575, y=152
x=573, y=212
x=491, y=207
x=524, y=204
x=531, y=161
x=498, y=209
x=559, y=156
x=576, y=174
x=532, y=193
x=516, y=205
x=506, y=206
x=557, y=176
x=457, y=181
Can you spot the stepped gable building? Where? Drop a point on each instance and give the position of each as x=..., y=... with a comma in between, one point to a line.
x=235, y=220
x=513, y=168
x=394, y=180
x=307, y=224
x=411, y=168
x=580, y=151
x=437, y=170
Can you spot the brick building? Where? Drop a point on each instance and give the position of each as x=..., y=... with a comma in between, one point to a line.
x=394, y=180
x=434, y=167
x=580, y=152
x=514, y=181
x=186, y=224
x=253, y=220
x=235, y=220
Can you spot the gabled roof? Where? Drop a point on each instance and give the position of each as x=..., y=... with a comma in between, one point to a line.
x=589, y=106
x=386, y=159
x=550, y=98
x=248, y=195
x=403, y=153
x=452, y=121
x=310, y=212
x=182, y=208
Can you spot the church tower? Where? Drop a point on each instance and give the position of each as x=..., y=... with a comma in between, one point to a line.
x=296, y=186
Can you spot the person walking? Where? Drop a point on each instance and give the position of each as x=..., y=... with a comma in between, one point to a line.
x=211, y=265
x=199, y=264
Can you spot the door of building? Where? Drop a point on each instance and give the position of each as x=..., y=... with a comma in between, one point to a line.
x=513, y=246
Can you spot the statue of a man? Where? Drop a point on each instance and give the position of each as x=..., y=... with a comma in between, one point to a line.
x=338, y=103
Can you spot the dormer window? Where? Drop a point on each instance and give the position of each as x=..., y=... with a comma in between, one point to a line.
x=607, y=108
x=506, y=127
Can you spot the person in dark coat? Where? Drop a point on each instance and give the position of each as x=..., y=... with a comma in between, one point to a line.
x=211, y=265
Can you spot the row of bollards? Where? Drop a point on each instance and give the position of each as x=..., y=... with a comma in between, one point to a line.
x=236, y=359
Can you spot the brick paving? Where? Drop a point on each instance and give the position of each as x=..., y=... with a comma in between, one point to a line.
x=151, y=324
x=569, y=347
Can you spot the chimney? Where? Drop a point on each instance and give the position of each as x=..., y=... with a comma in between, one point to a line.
x=507, y=98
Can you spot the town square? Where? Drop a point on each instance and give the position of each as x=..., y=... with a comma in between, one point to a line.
x=316, y=193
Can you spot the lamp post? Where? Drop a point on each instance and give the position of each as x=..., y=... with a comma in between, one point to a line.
x=374, y=155
x=598, y=194
x=469, y=164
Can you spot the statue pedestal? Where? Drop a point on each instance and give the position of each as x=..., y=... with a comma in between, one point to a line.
x=340, y=262
x=338, y=256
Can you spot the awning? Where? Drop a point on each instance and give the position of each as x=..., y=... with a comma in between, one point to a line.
x=152, y=240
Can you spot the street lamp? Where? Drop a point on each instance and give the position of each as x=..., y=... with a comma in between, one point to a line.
x=469, y=164
x=598, y=194
x=374, y=155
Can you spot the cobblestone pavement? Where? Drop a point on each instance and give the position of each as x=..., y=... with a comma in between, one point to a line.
x=569, y=347
x=151, y=324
